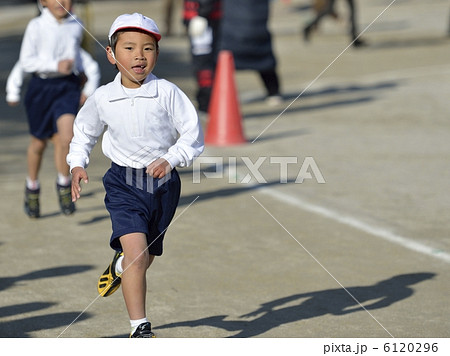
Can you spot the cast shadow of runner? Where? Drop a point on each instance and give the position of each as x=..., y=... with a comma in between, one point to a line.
x=6, y=282
x=314, y=304
x=21, y=328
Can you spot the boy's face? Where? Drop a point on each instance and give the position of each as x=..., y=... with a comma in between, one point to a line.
x=58, y=7
x=135, y=55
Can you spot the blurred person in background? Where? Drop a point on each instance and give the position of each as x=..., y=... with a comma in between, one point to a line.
x=169, y=9
x=327, y=8
x=244, y=32
x=202, y=19
x=17, y=77
x=51, y=52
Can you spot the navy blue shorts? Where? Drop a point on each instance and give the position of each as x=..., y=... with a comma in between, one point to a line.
x=139, y=203
x=47, y=99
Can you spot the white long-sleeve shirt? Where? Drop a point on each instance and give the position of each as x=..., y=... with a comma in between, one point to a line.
x=46, y=42
x=14, y=83
x=157, y=121
x=17, y=74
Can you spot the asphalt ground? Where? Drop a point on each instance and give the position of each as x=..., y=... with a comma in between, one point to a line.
x=358, y=248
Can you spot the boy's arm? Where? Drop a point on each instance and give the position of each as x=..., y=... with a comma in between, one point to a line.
x=87, y=128
x=14, y=84
x=92, y=71
x=190, y=142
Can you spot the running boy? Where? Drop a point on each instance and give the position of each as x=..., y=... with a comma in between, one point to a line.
x=152, y=127
x=51, y=52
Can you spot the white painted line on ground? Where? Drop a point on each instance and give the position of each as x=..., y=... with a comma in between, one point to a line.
x=358, y=224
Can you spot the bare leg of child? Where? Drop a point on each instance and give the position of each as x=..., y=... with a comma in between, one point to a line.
x=35, y=152
x=61, y=140
x=135, y=263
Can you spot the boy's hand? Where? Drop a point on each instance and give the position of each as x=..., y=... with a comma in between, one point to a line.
x=83, y=99
x=65, y=66
x=78, y=174
x=159, y=168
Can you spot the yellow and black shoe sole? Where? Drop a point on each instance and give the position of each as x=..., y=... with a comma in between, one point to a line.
x=109, y=282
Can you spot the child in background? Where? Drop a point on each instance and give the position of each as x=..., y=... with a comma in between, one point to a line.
x=151, y=127
x=51, y=52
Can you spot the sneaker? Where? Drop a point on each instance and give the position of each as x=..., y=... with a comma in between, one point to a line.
x=32, y=202
x=144, y=330
x=109, y=282
x=359, y=43
x=65, y=199
x=274, y=100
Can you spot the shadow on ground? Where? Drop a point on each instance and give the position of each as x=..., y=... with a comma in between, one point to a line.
x=311, y=305
x=22, y=326
x=7, y=282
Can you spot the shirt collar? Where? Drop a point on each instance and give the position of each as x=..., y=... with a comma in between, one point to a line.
x=148, y=89
x=47, y=15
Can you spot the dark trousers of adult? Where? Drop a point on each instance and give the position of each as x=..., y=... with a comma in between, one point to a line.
x=271, y=82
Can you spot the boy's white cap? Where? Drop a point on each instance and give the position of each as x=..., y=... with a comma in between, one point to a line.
x=137, y=21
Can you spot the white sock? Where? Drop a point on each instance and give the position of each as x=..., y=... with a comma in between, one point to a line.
x=119, y=268
x=33, y=184
x=63, y=180
x=135, y=323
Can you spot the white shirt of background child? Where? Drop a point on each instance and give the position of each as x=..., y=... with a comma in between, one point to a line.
x=46, y=42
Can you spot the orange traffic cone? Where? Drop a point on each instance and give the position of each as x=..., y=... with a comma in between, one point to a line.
x=224, y=126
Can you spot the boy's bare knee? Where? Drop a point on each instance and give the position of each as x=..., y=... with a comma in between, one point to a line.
x=37, y=146
x=62, y=140
x=140, y=262
x=65, y=128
